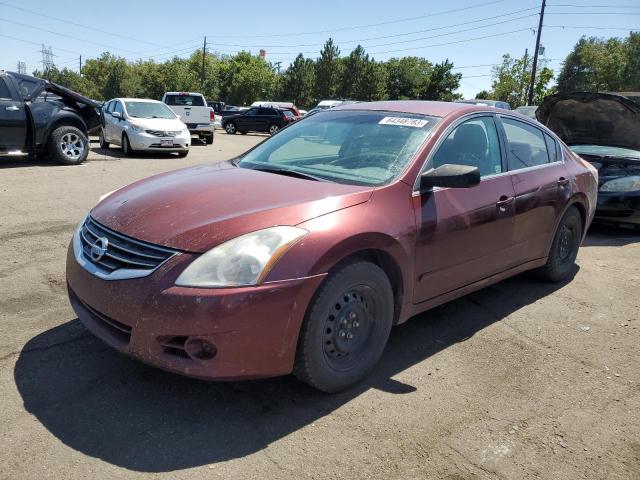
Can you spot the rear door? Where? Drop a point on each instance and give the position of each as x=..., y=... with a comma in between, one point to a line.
x=541, y=183
x=13, y=118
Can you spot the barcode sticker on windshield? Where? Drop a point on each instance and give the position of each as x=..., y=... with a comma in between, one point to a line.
x=404, y=122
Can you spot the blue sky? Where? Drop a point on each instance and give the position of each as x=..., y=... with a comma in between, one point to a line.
x=435, y=30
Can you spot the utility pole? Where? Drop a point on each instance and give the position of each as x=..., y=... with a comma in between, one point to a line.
x=204, y=53
x=535, y=56
x=524, y=74
x=80, y=68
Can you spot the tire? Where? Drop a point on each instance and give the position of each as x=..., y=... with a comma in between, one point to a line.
x=564, y=249
x=183, y=154
x=208, y=139
x=126, y=146
x=104, y=145
x=68, y=145
x=230, y=128
x=244, y=133
x=346, y=327
x=273, y=129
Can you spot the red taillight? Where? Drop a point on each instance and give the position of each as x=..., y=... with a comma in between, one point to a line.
x=212, y=116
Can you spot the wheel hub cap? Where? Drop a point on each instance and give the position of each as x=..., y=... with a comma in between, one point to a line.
x=72, y=146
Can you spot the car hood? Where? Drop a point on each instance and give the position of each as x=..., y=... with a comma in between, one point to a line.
x=171, y=124
x=197, y=208
x=592, y=119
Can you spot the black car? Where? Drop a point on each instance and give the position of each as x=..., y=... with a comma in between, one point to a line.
x=258, y=119
x=604, y=129
x=38, y=116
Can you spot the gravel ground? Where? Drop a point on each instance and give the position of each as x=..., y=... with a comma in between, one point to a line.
x=520, y=380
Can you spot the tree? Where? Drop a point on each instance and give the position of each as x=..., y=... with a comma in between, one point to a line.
x=512, y=78
x=483, y=95
x=246, y=78
x=298, y=81
x=441, y=83
x=407, y=76
x=327, y=71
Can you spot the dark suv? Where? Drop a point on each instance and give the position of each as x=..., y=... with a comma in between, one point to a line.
x=258, y=119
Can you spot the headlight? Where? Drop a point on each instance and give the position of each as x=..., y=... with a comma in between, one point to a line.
x=626, y=184
x=136, y=128
x=243, y=261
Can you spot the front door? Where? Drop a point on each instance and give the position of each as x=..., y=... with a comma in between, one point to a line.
x=13, y=119
x=464, y=234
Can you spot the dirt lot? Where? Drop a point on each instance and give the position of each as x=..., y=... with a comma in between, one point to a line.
x=521, y=380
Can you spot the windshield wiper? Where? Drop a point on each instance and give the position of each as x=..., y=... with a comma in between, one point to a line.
x=290, y=173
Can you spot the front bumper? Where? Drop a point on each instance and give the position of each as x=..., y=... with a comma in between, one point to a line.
x=147, y=141
x=618, y=208
x=254, y=330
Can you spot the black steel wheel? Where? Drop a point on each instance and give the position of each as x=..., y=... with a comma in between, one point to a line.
x=564, y=249
x=346, y=327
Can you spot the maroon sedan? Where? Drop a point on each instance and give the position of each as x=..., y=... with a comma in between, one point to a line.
x=300, y=255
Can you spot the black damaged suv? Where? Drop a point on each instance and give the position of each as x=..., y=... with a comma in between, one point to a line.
x=40, y=117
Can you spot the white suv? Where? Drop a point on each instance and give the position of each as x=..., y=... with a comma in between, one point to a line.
x=193, y=110
x=142, y=124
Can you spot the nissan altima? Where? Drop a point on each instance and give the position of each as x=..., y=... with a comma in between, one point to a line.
x=301, y=254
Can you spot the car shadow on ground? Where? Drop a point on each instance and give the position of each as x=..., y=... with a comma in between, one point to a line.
x=611, y=236
x=108, y=406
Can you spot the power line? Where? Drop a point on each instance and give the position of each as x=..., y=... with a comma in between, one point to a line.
x=356, y=27
x=628, y=29
x=69, y=22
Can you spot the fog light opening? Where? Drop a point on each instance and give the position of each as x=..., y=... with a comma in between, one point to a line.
x=200, y=349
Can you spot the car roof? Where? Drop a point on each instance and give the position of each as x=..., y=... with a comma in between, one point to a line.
x=183, y=93
x=421, y=107
x=146, y=100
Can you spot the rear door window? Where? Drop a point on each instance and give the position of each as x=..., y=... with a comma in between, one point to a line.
x=184, y=100
x=552, y=148
x=4, y=90
x=526, y=146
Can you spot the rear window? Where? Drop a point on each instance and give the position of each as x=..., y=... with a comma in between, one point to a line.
x=4, y=90
x=184, y=100
x=288, y=113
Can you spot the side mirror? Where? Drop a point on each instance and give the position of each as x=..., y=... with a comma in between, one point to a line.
x=117, y=115
x=449, y=175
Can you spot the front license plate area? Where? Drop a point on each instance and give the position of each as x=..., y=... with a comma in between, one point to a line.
x=166, y=142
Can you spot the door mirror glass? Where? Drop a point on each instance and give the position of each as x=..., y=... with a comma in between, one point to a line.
x=450, y=175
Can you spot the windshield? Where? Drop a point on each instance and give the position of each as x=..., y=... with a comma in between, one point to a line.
x=148, y=110
x=353, y=147
x=604, y=151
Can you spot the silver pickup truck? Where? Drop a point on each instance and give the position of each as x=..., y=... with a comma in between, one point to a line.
x=194, y=112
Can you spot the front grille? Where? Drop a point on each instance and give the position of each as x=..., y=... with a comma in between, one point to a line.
x=162, y=133
x=121, y=252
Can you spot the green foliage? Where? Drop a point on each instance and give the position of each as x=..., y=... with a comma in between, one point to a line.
x=512, y=78
x=297, y=82
x=246, y=78
x=597, y=64
x=441, y=83
x=483, y=95
x=328, y=70
x=407, y=77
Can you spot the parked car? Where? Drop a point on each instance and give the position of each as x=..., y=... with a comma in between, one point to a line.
x=143, y=125
x=193, y=110
x=487, y=103
x=605, y=130
x=258, y=119
x=279, y=105
x=301, y=254
x=528, y=111
x=40, y=117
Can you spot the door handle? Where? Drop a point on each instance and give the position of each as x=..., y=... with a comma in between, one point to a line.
x=12, y=108
x=504, y=202
x=563, y=182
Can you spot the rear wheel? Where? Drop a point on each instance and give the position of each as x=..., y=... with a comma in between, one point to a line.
x=209, y=139
x=230, y=128
x=126, y=146
x=346, y=327
x=564, y=248
x=273, y=129
x=104, y=145
x=68, y=145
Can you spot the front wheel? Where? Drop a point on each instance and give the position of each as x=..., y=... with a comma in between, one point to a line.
x=68, y=145
x=346, y=327
x=273, y=129
x=230, y=128
x=183, y=154
x=564, y=248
